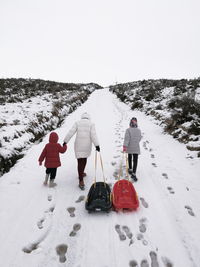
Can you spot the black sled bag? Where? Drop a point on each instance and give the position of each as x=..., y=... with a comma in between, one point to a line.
x=99, y=197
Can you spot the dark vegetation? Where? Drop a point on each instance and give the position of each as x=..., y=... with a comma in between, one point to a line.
x=64, y=98
x=178, y=112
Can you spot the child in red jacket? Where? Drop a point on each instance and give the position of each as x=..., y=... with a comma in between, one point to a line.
x=52, y=159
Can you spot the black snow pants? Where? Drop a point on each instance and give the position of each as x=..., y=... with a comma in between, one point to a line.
x=52, y=172
x=133, y=161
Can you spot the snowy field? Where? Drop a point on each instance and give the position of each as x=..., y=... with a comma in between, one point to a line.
x=16, y=117
x=37, y=222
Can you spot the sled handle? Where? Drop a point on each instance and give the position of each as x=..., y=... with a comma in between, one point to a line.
x=124, y=157
x=101, y=161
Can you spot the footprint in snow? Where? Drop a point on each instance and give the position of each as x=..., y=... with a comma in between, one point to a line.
x=190, y=211
x=170, y=190
x=143, y=220
x=61, y=250
x=113, y=163
x=144, y=263
x=154, y=260
x=144, y=203
x=35, y=244
x=152, y=156
x=116, y=173
x=144, y=242
x=40, y=223
x=141, y=237
x=49, y=197
x=117, y=156
x=76, y=228
x=71, y=211
x=167, y=262
x=51, y=209
x=142, y=226
x=127, y=231
x=144, y=145
x=81, y=198
x=18, y=182
x=165, y=175
x=29, y=248
x=154, y=164
x=128, y=234
x=133, y=263
x=122, y=236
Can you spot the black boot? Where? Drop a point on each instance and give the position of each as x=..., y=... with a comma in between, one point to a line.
x=133, y=176
x=81, y=184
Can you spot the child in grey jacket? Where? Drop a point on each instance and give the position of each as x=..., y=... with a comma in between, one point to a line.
x=132, y=147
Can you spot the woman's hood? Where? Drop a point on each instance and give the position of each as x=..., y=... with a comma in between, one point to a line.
x=85, y=115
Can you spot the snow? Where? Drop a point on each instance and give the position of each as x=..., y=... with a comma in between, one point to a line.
x=35, y=219
x=197, y=96
x=167, y=92
x=15, y=119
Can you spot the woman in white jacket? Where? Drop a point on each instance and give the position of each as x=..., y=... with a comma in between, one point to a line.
x=85, y=136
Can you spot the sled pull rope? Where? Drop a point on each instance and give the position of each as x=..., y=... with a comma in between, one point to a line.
x=127, y=174
x=101, y=167
x=120, y=169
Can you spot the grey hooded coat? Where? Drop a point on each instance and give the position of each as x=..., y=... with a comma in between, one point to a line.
x=132, y=139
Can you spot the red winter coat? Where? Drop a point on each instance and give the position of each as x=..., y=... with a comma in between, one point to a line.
x=51, y=152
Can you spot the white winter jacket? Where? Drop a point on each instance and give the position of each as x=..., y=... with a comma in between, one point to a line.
x=85, y=136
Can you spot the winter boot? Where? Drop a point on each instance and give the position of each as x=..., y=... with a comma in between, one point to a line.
x=81, y=184
x=46, y=179
x=130, y=171
x=51, y=183
x=84, y=174
x=133, y=176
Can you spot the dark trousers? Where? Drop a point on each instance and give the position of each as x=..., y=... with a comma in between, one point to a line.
x=132, y=161
x=52, y=172
x=81, y=167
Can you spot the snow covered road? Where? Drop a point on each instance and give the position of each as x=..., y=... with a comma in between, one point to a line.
x=37, y=222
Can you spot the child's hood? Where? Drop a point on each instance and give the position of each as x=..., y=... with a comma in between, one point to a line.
x=53, y=138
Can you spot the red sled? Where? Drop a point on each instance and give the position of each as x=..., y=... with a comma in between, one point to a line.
x=124, y=196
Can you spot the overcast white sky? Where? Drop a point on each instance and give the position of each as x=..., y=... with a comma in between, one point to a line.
x=103, y=41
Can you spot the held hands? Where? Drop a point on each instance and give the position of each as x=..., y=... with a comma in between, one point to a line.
x=98, y=148
x=64, y=144
x=124, y=148
x=40, y=163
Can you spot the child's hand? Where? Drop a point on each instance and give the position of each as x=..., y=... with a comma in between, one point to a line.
x=40, y=163
x=124, y=148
